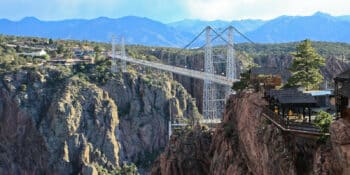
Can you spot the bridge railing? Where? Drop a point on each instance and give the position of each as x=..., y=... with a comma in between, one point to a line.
x=182, y=71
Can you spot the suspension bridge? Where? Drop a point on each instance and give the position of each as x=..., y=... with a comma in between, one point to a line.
x=213, y=102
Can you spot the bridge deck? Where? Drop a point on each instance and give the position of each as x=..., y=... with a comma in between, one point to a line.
x=182, y=71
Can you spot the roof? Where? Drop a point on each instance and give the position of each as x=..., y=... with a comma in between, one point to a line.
x=291, y=96
x=319, y=93
x=274, y=92
x=296, y=99
x=264, y=71
x=343, y=75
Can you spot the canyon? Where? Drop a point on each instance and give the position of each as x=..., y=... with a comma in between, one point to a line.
x=246, y=143
x=86, y=120
x=56, y=122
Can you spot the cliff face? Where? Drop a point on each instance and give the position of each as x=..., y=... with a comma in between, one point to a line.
x=185, y=154
x=54, y=122
x=145, y=104
x=68, y=129
x=246, y=143
x=340, y=137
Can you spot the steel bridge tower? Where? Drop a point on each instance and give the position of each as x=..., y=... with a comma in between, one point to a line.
x=209, y=91
x=213, y=99
x=123, y=55
x=231, y=61
x=114, y=67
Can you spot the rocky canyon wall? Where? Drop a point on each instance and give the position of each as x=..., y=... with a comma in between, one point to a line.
x=53, y=121
x=246, y=143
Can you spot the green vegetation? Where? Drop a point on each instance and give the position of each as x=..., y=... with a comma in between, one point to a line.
x=261, y=52
x=323, y=121
x=23, y=87
x=306, y=67
x=247, y=54
x=61, y=49
x=243, y=84
x=99, y=73
x=126, y=169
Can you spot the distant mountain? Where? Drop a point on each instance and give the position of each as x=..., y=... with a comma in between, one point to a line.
x=320, y=27
x=144, y=31
x=346, y=18
x=196, y=26
x=136, y=30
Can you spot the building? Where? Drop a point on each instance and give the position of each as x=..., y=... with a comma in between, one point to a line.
x=35, y=54
x=342, y=94
x=291, y=105
x=323, y=98
x=69, y=62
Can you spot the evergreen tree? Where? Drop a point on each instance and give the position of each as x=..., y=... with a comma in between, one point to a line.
x=50, y=41
x=306, y=67
x=243, y=83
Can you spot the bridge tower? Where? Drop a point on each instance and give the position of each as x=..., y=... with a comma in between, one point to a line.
x=123, y=55
x=231, y=61
x=114, y=68
x=209, y=91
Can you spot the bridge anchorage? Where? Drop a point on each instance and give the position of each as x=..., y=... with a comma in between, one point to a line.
x=216, y=86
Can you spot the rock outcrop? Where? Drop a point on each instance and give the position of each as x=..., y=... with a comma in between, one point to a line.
x=247, y=143
x=144, y=105
x=186, y=154
x=53, y=121
x=340, y=138
x=60, y=131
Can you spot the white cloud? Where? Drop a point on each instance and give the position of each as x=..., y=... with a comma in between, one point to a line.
x=265, y=9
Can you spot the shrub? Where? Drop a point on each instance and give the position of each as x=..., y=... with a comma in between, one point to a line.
x=244, y=82
x=323, y=120
x=126, y=169
x=23, y=88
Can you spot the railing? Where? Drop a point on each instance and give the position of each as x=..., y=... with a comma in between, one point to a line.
x=303, y=126
x=182, y=71
x=290, y=126
x=274, y=116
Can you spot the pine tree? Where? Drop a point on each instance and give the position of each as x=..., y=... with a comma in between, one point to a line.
x=306, y=67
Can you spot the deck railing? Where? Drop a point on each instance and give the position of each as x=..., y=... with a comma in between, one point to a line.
x=290, y=126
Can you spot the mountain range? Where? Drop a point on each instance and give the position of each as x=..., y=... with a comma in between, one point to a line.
x=144, y=31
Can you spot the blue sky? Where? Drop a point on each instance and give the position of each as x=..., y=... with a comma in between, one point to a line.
x=169, y=10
